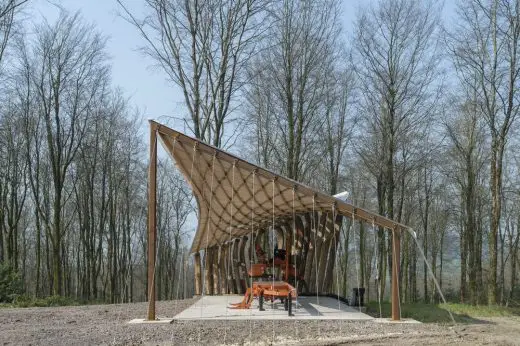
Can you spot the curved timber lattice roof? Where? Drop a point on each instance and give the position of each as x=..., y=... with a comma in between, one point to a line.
x=234, y=195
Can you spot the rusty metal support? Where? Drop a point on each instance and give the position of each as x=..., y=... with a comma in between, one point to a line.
x=152, y=220
x=396, y=258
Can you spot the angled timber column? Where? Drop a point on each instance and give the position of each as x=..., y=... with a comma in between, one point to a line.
x=215, y=272
x=396, y=260
x=235, y=266
x=152, y=219
x=310, y=225
x=331, y=260
x=208, y=270
x=223, y=265
x=242, y=264
x=288, y=252
x=198, y=279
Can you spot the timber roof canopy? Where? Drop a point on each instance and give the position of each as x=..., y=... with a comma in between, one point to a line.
x=234, y=195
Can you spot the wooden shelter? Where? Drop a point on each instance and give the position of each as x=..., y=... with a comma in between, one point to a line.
x=238, y=201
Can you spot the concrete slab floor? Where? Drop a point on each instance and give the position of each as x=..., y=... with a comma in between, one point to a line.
x=306, y=308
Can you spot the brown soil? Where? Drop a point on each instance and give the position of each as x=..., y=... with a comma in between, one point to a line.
x=107, y=324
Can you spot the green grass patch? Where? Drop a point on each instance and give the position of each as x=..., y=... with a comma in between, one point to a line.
x=481, y=310
x=439, y=313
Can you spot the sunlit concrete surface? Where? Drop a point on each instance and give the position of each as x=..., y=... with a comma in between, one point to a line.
x=310, y=308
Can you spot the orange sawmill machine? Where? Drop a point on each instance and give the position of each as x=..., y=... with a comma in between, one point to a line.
x=265, y=284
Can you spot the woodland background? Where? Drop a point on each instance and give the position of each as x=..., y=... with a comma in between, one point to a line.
x=417, y=120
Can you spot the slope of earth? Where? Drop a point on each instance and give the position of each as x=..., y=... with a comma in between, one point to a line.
x=107, y=324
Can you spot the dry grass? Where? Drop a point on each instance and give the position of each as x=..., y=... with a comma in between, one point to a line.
x=439, y=313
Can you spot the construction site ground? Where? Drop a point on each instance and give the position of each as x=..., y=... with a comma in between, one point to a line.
x=108, y=325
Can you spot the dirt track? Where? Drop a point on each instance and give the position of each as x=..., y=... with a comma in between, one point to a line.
x=106, y=324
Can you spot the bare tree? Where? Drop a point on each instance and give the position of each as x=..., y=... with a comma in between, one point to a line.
x=397, y=55
x=513, y=238
x=289, y=81
x=485, y=46
x=73, y=180
x=172, y=216
x=8, y=10
x=13, y=185
x=203, y=47
x=466, y=137
x=68, y=72
x=339, y=123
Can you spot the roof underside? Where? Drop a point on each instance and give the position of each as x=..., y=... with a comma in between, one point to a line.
x=236, y=197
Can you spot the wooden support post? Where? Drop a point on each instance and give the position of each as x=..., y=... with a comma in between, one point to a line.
x=279, y=237
x=223, y=269
x=396, y=258
x=321, y=219
x=311, y=248
x=216, y=270
x=235, y=266
x=322, y=264
x=230, y=278
x=208, y=271
x=242, y=269
x=300, y=243
x=288, y=253
x=152, y=220
x=247, y=255
x=198, y=278
x=257, y=241
x=323, y=255
x=331, y=261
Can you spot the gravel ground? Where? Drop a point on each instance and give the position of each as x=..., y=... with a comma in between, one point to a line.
x=107, y=325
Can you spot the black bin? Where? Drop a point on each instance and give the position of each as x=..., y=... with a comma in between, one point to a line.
x=358, y=296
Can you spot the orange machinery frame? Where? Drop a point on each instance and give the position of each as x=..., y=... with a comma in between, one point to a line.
x=271, y=289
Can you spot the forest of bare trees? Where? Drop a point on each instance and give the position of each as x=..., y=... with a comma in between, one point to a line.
x=416, y=117
x=73, y=178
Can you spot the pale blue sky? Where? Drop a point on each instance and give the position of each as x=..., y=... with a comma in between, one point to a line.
x=147, y=88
